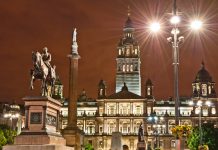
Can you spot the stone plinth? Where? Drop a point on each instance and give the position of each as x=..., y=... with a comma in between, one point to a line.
x=37, y=147
x=116, y=141
x=41, y=127
x=141, y=145
x=40, y=139
x=74, y=137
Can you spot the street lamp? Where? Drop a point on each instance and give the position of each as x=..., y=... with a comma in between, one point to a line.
x=200, y=104
x=175, y=40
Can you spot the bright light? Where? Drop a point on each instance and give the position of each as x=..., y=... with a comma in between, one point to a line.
x=191, y=103
x=196, y=24
x=155, y=118
x=175, y=20
x=149, y=118
x=155, y=27
x=199, y=103
x=208, y=103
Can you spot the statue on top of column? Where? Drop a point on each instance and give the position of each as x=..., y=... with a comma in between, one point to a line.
x=74, y=35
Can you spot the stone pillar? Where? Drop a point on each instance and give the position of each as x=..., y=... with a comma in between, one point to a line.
x=72, y=134
x=58, y=121
x=72, y=105
x=27, y=117
x=131, y=108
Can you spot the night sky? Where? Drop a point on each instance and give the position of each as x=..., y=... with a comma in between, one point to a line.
x=30, y=25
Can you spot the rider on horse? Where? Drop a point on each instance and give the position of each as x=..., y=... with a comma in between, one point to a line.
x=46, y=57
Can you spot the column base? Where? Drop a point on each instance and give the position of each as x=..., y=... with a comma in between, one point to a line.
x=74, y=137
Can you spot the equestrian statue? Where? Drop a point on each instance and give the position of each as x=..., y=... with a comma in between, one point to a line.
x=42, y=70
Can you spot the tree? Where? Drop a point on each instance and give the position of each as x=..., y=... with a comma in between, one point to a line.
x=209, y=137
x=3, y=140
x=6, y=135
x=88, y=147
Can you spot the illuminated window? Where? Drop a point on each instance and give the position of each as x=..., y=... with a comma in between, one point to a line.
x=136, y=51
x=119, y=51
x=101, y=91
x=205, y=112
x=149, y=91
x=125, y=128
x=111, y=110
x=209, y=89
x=124, y=68
x=131, y=68
x=204, y=89
x=127, y=52
x=197, y=110
x=127, y=68
x=213, y=111
x=138, y=110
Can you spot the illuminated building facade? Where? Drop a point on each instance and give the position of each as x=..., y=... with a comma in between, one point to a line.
x=126, y=109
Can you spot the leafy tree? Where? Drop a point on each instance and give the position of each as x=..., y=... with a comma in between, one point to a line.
x=3, y=140
x=6, y=135
x=209, y=137
x=88, y=147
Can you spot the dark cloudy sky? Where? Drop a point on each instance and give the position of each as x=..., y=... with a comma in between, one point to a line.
x=30, y=25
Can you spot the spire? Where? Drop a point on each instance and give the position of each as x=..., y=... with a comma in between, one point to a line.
x=174, y=7
x=128, y=23
x=74, y=45
x=128, y=12
x=202, y=64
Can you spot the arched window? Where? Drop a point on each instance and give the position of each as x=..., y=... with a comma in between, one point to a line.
x=119, y=52
x=124, y=68
x=131, y=68
x=209, y=89
x=127, y=68
x=101, y=92
x=204, y=89
x=213, y=110
x=136, y=51
x=149, y=91
x=127, y=52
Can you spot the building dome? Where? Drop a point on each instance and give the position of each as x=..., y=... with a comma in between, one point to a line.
x=203, y=75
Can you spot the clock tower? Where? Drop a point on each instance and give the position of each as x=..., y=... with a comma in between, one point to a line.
x=128, y=60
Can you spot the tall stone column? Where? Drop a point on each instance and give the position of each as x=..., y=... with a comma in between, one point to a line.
x=71, y=133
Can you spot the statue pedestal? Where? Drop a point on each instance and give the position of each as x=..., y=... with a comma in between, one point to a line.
x=141, y=145
x=41, y=126
x=116, y=141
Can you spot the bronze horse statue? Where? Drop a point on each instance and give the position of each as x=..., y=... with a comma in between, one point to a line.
x=42, y=72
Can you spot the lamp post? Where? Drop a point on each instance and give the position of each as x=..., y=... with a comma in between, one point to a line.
x=175, y=40
x=200, y=104
x=153, y=119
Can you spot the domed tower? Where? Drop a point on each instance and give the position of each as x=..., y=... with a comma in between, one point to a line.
x=58, y=89
x=128, y=60
x=203, y=86
x=149, y=89
x=101, y=89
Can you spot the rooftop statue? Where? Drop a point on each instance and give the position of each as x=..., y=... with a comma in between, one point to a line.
x=42, y=70
x=74, y=35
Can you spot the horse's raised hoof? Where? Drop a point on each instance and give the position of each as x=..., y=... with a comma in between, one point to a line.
x=31, y=88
